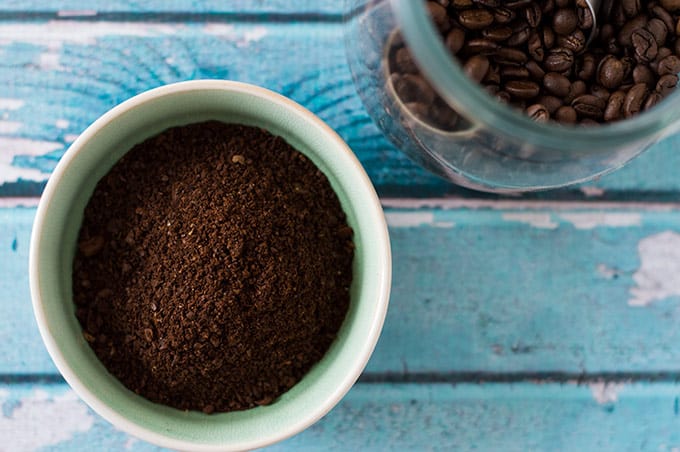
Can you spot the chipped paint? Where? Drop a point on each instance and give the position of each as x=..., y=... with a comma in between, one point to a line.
x=57, y=32
x=591, y=192
x=605, y=392
x=536, y=219
x=9, y=126
x=606, y=272
x=61, y=124
x=228, y=31
x=408, y=219
x=591, y=220
x=11, y=147
x=11, y=104
x=657, y=277
x=38, y=410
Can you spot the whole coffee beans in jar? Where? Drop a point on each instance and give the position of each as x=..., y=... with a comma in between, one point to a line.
x=551, y=58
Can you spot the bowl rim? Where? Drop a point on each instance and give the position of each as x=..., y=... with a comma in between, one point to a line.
x=383, y=282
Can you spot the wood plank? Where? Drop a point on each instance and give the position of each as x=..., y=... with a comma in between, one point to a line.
x=520, y=288
x=61, y=75
x=71, y=7
x=509, y=417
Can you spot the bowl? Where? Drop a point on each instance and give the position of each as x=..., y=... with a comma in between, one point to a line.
x=53, y=244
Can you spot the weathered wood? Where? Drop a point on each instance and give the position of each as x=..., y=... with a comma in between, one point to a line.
x=518, y=288
x=61, y=75
x=509, y=417
x=72, y=7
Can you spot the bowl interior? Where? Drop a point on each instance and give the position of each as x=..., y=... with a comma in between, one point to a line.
x=60, y=215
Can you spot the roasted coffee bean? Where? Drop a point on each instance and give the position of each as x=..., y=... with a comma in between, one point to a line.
x=577, y=88
x=439, y=16
x=534, y=14
x=562, y=3
x=658, y=29
x=535, y=70
x=644, y=45
x=671, y=5
x=552, y=103
x=419, y=110
x=575, y=41
x=659, y=12
x=548, y=37
x=589, y=106
x=514, y=72
x=631, y=8
x=600, y=91
x=566, y=115
x=480, y=46
x=535, y=46
x=475, y=19
x=556, y=84
x=666, y=84
x=584, y=15
x=610, y=72
x=488, y=3
x=522, y=89
x=614, y=108
x=618, y=16
x=643, y=74
x=626, y=32
x=504, y=97
x=558, y=60
x=548, y=7
x=404, y=62
x=507, y=55
x=497, y=33
x=660, y=55
x=520, y=35
x=588, y=66
x=413, y=88
x=669, y=65
x=538, y=113
x=564, y=21
x=588, y=122
x=461, y=4
x=491, y=89
x=503, y=15
x=634, y=99
x=517, y=4
x=653, y=99
x=442, y=115
x=493, y=75
x=676, y=47
x=476, y=67
x=606, y=32
x=455, y=40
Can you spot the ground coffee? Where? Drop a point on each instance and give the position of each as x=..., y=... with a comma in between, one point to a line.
x=213, y=267
x=535, y=55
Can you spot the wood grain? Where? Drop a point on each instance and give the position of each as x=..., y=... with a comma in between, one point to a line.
x=479, y=291
x=61, y=75
x=517, y=417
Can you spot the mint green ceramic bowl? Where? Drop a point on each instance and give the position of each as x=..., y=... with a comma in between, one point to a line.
x=53, y=245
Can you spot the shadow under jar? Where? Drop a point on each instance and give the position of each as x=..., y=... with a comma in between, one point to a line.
x=437, y=111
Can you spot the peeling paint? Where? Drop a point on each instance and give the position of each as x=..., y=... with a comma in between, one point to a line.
x=605, y=392
x=11, y=104
x=409, y=219
x=38, y=410
x=61, y=124
x=11, y=147
x=9, y=126
x=591, y=220
x=536, y=219
x=228, y=31
x=657, y=277
x=592, y=192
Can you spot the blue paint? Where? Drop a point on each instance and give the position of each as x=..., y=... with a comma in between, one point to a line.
x=15, y=244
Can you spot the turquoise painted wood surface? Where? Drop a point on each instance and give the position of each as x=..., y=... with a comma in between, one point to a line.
x=62, y=74
x=545, y=322
x=510, y=417
x=481, y=289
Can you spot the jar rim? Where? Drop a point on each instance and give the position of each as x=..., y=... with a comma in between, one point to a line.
x=468, y=98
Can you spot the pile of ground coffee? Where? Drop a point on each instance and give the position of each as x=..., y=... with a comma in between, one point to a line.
x=535, y=55
x=213, y=267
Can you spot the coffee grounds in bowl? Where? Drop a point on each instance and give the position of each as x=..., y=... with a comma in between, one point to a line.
x=213, y=267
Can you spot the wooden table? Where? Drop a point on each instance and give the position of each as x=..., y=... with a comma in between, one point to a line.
x=542, y=322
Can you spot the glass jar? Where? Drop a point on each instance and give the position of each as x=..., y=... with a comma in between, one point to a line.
x=465, y=134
